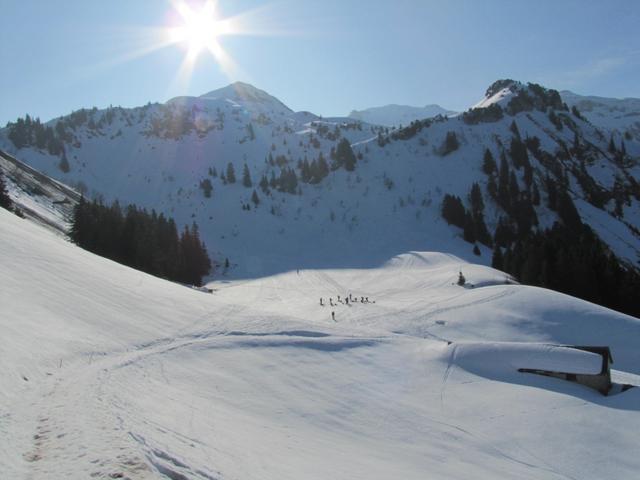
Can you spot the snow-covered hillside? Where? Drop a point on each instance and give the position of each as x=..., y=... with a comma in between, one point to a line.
x=175, y=158
x=37, y=196
x=110, y=373
x=398, y=115
x=611, y=114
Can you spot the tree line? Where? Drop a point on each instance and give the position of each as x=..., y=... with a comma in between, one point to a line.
x=569, y=257
x=571, y=260
x=145, y=241
x=27, y=132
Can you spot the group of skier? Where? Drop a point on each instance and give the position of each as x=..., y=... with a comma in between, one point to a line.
x=349, y=300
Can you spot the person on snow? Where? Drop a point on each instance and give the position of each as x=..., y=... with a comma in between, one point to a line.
x=333, y=316
x=321, y=304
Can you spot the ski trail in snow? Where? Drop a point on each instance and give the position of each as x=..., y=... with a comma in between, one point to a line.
x=439, y=311
x=447, y=373
x=481, y=439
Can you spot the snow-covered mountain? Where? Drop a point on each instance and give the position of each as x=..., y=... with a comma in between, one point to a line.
x=621, y=115
x=37, y=196
x=398, y=115
x=111, y=373
x=175, y=158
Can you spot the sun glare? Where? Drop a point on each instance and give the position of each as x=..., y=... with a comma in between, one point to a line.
x=200, y=29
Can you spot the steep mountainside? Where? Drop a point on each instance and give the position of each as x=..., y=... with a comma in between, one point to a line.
x=398, y=115
x=37, y=196
x=340, y=192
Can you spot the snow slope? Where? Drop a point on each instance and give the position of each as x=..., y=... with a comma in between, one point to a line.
x=397, y=115
x=38, y=197
x=111, y=373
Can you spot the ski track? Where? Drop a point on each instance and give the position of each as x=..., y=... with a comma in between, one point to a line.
x=59, y=433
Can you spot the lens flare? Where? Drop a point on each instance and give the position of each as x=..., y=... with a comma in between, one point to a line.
x=200, y=28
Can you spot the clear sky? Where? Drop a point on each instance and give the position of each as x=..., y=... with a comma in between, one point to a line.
x=328, y=57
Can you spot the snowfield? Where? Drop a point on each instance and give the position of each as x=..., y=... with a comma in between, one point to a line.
x=111, y=373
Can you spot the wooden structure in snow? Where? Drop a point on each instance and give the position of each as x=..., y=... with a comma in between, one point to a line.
x=600, y=381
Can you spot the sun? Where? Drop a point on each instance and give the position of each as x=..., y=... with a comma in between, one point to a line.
x=199, y=30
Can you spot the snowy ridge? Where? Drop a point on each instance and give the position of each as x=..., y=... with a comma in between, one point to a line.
x=501, y=97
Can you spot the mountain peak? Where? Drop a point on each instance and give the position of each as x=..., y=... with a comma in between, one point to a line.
x=517, y=96
x=246, y=93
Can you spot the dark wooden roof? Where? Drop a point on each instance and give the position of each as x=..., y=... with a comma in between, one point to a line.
x=604, y=351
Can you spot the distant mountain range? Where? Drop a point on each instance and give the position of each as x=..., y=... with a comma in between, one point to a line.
x=398, y=115
x=621, y=114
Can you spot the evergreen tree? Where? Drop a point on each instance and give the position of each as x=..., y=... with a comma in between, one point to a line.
x=250, y=132
x=481, y=232
x=469, y=228
x=231, y=173
x=503, y=183
x=453, y=210
x=514, y=189
x=514, y=128
x=255, y=199
x=535, y=194
x=497, y=261
x=264, y=185
x=5, y=200
x=552, y=193
x=450, y=144
x=475, y=199
x=195, y=262
x=246, y=177
x=505, y=234
x=344, y=156
x=206, y=187
x=321, y=169
x=305, y=171
x=518, y=152
x=488, y=163
x=567, y=210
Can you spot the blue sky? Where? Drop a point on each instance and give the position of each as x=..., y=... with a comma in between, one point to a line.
x=328, y=57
